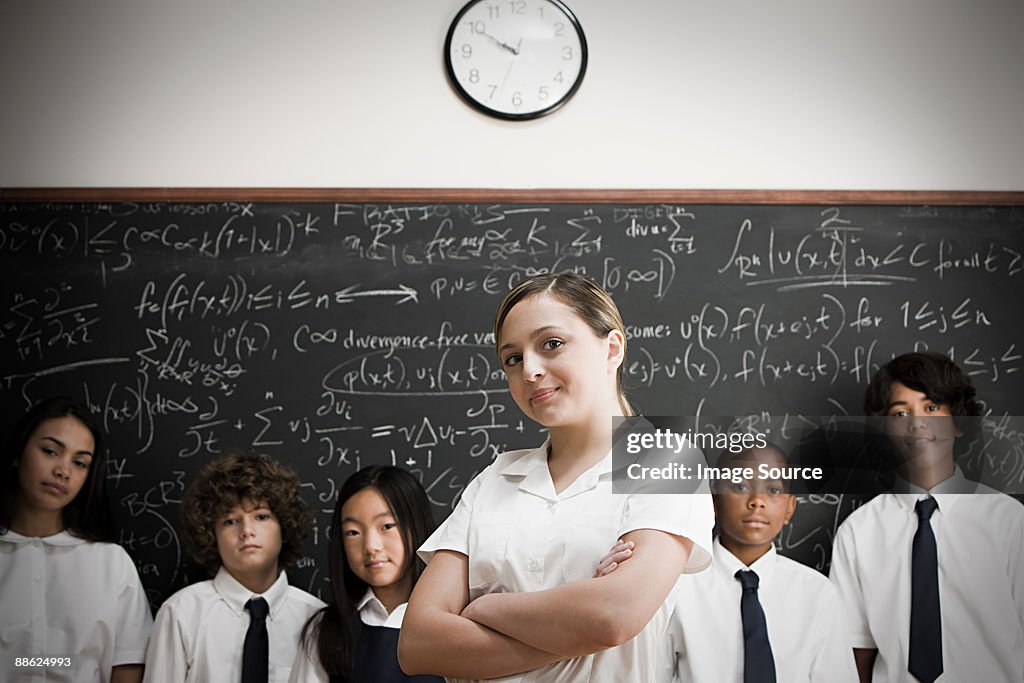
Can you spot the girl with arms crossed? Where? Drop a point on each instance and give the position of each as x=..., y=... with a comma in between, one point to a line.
x=65, y=587
x=508, y=591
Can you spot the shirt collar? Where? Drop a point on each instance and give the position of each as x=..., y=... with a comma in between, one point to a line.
x=60, y=539
x=532, y=466
x=370, y=604
x=236, y=595
x=729, y=564
x=525, y=464
x=367, y=598
x=945, y=493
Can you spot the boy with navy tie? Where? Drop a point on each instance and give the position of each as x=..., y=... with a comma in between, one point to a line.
x=244, y=522
x=932, y=574
x=756, y=616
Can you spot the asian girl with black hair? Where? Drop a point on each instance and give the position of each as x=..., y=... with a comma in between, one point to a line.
x=381, y=517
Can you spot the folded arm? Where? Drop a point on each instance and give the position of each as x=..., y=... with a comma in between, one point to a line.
x=587, y=616
x=435, y=639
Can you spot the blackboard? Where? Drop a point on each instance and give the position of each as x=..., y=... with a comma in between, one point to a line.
x=333, y=334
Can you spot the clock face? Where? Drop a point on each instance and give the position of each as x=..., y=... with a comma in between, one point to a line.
x=516, y=59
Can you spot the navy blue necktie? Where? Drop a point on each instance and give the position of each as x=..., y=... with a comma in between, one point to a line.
x=758, y=663
x=925, y=661
x=256, y=650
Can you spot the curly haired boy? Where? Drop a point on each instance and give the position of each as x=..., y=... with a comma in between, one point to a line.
x=244, y=521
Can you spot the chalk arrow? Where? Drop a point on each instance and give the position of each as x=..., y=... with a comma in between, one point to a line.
x=349, y=294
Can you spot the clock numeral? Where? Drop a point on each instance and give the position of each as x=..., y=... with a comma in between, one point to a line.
x=567, y=53
x=493, y=11
x=478, y=27
x=474, y=75
x=542, y=92
x=559, y=29
x=494, y=89
x=517, y=6
x=467, y=51
x=558, y=78
x=517, y=99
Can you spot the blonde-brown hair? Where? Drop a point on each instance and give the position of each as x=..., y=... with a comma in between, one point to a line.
x=586, y=298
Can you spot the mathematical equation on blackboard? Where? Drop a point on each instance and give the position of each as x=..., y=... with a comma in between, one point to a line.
x=336, y=335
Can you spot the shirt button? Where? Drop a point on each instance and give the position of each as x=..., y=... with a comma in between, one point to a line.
x=534, y=565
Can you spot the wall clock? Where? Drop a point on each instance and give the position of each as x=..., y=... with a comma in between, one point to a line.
x=515, y=59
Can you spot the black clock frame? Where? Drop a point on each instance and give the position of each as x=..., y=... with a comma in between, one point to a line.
x=526, y=116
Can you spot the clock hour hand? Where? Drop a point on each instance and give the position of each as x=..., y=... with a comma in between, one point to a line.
x=513, y=50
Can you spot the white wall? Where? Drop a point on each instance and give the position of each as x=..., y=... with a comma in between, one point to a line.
x=790, y=94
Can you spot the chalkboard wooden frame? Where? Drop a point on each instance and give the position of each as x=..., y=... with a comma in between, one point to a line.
x=471, y=195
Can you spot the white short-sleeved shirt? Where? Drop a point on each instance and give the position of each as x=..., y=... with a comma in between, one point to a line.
x=809, y=643
x=307, y=667
x=200, y=630
x=980, y=541
x=61, y=595
x=520, y=536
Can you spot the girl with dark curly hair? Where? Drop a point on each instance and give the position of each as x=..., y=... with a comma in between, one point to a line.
x=244, y=521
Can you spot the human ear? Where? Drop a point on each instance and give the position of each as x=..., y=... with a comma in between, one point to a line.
x=616, y=349
x=790, y=509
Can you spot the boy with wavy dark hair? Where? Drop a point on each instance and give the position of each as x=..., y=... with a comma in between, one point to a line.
x=932, y=574
x=244, y=521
